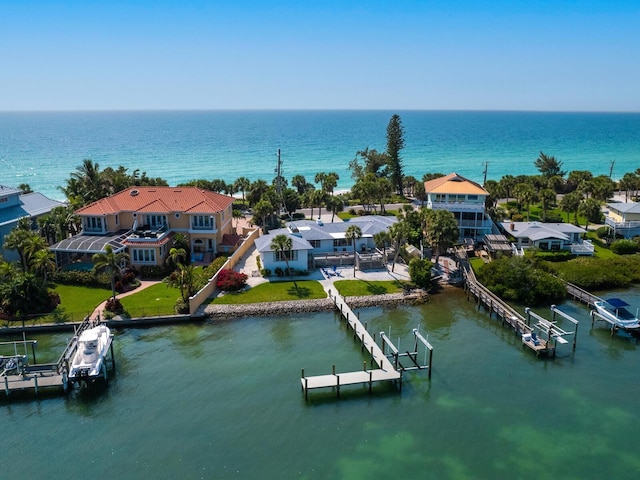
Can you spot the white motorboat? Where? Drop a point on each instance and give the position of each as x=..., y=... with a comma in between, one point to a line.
x=92, y=347
x=614, y=311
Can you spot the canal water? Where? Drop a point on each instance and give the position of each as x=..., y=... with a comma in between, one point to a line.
x=223, y=400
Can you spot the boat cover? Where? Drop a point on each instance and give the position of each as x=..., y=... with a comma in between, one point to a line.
x=617, y=303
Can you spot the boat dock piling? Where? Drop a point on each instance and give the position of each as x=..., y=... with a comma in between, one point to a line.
x=385, y=371
x=597, y=316
x=554, y=334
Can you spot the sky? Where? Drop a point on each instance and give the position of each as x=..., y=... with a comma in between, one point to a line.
x=555, y=55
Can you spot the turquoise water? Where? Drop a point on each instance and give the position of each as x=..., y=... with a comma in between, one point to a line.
x=42, y=149
x=223, y=400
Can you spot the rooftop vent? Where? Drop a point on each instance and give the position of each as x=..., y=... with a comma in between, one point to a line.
x=134, y=192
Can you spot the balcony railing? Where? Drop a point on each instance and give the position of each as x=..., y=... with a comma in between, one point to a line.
x=621, y=225
x=457, y=207
x=584, y=248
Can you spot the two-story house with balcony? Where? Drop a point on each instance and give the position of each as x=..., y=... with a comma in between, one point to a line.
x=143, y=220
x=623, y=219
x=465, y=199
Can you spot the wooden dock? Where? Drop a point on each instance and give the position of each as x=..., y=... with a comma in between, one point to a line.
x=384, y=373
x=581, y=295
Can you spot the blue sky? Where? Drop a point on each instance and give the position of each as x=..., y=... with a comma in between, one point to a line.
x=321, y=54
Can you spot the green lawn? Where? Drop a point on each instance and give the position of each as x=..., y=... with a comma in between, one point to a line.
x=601, y=249
x=476, y=263
x=358, y=288
x=155, y=300
x=76, y=302
x=274, y=292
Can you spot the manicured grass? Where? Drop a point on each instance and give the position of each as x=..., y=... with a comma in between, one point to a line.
x=155, y=300
x=76, y=302
x=274, y=292
x=601, y=249
x=357, y=288
x=476, y=263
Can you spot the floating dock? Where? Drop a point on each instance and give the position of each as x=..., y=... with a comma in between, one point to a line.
x=385, y=371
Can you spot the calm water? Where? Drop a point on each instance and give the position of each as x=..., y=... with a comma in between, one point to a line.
x=223, y=400
x=42, y=149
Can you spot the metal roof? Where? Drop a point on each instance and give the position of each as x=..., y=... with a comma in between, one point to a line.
x=92, y=243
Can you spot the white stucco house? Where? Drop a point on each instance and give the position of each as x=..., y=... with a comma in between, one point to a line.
x=317, y=244
x=548, y=237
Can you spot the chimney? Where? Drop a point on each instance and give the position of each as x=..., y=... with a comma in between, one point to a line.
x=512, y=227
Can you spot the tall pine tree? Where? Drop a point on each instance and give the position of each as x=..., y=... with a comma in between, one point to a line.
x=395, y=143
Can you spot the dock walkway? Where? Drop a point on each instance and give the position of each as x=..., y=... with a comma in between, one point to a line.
x=384, y=373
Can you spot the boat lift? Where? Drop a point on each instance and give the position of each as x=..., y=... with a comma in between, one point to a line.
x=413, y=356
x=554, y=334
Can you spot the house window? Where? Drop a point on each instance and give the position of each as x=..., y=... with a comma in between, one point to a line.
x=544, y=245
x=203, y=222
x=472, y=198
x=155, y=221
x=143, y=255
x=291, y=255
x=93, y=224
x=315, y=243
x=440, y=198
x=341, y=242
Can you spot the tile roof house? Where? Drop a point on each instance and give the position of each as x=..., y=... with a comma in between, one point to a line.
x=465, y=199
x=548, y=236
x=317, y=244
x=14, y=205
x=143, y=220
x=623, y=218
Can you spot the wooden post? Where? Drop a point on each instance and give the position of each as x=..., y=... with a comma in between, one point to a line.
x=575, y=337
x=334, y=370
x=364, y=366
x=306, y=388
x=35, y=381
x=430, y=360
x=33, y=350
x=370, y=380
x=338, y=385
x=6, y=385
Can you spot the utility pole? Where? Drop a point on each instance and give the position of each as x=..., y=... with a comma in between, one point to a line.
x=486, y=166
x=613, y=162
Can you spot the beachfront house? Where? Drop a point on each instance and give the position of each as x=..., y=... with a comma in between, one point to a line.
x=15, y=205
x=466, y=200
x=142, y=222
x=318, y=244
x=547, y=237
x=623, y=219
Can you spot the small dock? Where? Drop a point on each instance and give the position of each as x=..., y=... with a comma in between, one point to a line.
x=581, y=295
x=385, y=371
x=26, y=377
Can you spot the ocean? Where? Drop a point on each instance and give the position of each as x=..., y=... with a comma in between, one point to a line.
x=44, y=148
x=222, y=400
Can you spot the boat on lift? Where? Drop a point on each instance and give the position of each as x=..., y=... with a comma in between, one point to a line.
x=614, y=310
x=88, y=362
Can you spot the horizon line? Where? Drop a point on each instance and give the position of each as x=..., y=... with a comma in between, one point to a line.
x=203, y=110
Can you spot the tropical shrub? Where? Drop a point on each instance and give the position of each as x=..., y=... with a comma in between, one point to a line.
x=624, y=247
x=231, y=281
x=603, y=232
x=420, y=272
x=600, y=273
x=78, y=277
x=153, y=272
x=522, y=279
x=114, y=306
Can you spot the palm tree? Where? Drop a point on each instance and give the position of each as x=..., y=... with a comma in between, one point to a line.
x=109, y=262
x=547, y=198
x=283, y=244
x=176, y=258
x=570, y=203
x=242, y=184
x=352, y=234
x=381, y=239
x=441, y=229
x=335, y=204
x=42, y=262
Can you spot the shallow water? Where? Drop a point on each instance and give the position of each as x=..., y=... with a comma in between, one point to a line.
x=223, y=400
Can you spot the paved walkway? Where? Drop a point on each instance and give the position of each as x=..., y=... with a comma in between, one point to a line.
x=97, y=313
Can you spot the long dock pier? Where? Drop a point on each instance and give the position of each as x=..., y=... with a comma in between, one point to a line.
x=385, y=371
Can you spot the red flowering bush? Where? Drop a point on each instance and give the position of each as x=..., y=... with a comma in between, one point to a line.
x=231, y=281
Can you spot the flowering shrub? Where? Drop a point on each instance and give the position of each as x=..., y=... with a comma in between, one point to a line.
x=114, y=306
x=231, y=281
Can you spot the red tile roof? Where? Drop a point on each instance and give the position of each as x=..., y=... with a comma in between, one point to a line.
x=159, y=200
